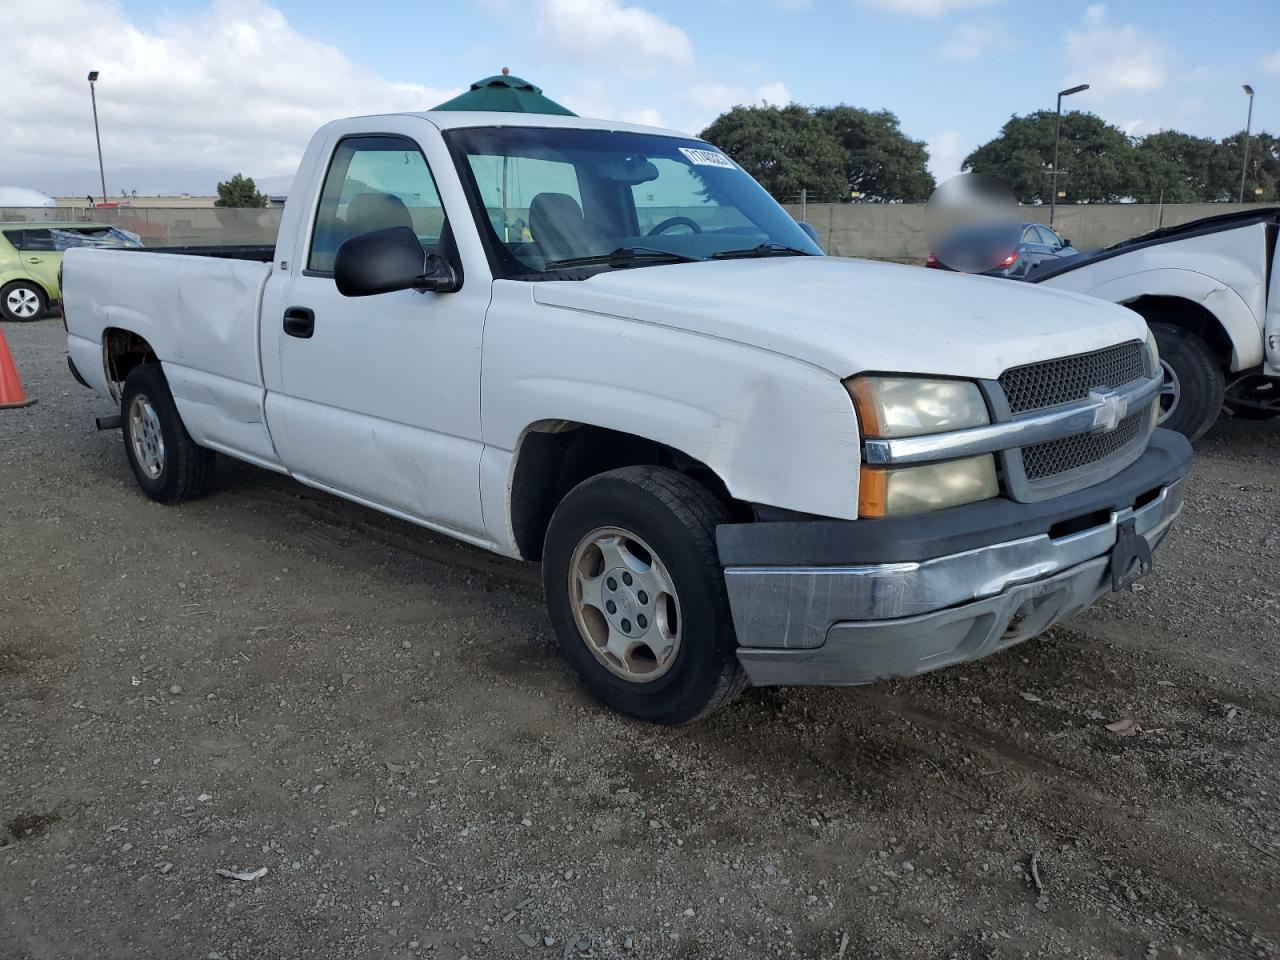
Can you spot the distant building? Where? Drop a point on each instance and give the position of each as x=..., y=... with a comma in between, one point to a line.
x=22, y=197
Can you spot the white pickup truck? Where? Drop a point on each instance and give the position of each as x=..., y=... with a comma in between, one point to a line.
x=1210, y=290
x=605, y=347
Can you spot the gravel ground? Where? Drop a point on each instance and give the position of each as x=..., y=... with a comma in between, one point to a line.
x=273, y=678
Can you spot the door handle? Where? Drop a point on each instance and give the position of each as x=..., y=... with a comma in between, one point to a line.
x=300, y=322
x=35, y=260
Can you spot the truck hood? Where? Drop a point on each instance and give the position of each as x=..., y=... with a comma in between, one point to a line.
x=849, y=316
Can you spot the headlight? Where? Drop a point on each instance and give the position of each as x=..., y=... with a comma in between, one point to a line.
x=897, y=492
x=910, y=406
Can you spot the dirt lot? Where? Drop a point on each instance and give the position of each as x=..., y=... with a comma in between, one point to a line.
x=271, y=677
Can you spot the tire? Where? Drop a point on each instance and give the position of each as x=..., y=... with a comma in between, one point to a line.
x=23, y=301
x=1198, y=381
x=634, y=512
x=166, y=462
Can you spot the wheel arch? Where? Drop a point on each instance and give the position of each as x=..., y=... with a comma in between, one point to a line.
x=554, y=456
x=1191, y=316
x=122, y=350
x=1195, y=302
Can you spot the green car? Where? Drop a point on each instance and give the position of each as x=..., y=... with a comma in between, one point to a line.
x=31, y=253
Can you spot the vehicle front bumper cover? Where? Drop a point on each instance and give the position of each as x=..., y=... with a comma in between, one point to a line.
x=860, y=621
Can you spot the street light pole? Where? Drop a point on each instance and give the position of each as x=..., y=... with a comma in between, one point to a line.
x=1244, y=167
x=1057, y=131
x=102, y=173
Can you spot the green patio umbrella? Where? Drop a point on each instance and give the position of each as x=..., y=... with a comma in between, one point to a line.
x=505, y=94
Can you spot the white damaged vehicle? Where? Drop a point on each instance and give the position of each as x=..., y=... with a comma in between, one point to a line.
x=1210, y=290
x=604, y=347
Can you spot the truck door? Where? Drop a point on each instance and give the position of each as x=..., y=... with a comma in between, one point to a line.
x=1271, y=333
x=377, y=398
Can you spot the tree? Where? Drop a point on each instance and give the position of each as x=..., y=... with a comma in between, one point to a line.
x=785, y=148
x=881, y=162
x=239, y=191
x=1096, y=160
x=1179, y=168
x=1263, y=170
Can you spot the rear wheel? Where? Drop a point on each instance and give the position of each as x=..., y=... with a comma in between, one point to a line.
x=1194, y=384
x=637, y=597
x=23, y=301
x=168, y=465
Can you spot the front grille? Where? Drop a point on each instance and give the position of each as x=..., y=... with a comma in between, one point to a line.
x=1053, y=382
x=1053, y=457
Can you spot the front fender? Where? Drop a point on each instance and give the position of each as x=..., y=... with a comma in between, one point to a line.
x=775, y=430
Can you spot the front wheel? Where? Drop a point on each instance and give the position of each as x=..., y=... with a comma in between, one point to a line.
x=1194, y=384
x=168, y=465
x=637, y=597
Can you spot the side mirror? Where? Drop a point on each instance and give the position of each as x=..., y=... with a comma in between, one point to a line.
x=810, y=232
x=383, y=261
x=1064, y=242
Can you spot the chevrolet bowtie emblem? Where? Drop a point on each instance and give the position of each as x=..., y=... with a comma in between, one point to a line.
x=1112, y=408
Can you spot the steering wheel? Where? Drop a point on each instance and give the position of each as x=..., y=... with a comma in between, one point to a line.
x=670, y=222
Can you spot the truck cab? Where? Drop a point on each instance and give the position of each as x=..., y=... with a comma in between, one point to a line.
x=604, y=347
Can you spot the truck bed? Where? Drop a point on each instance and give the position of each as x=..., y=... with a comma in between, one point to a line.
x=197, y=309
x=263, y=253
x=1270, y=216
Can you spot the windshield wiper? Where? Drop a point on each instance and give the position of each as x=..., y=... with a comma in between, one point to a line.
x=623, y=257
x=769, y=249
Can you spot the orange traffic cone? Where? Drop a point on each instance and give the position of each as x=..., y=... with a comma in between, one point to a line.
x=11, y=394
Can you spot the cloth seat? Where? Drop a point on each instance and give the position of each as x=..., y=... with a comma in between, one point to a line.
x=560, y=229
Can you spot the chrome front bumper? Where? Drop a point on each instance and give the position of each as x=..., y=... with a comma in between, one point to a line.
x=867, y=622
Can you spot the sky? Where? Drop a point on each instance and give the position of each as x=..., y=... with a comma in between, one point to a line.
x=192, y=91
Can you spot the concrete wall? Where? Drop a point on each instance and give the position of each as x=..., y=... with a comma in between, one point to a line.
x=893, y=231
x=168, y=226
x=896, y=231
x=188, y=201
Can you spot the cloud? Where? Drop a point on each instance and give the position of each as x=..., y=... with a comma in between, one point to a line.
x=1115, y=58
x=973, y=41
x=1271, y=62
x=928, y=8
x=230, y=87
x=947, y=151
x=715, y=97
x=629, y=38
x=649, y=116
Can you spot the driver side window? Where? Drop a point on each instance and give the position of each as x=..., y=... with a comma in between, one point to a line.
x=374, y=183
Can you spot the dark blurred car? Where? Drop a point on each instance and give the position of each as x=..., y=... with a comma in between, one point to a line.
x=999, y=250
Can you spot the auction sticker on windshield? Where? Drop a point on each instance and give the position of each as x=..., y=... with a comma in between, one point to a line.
x=707, y=158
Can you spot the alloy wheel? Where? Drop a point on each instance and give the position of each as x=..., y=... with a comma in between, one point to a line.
x=625, y=604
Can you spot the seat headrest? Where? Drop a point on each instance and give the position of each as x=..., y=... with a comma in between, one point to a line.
x=376, y=211
x=559, y=227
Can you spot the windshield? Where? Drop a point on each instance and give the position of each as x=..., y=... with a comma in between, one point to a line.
x=557, y=200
